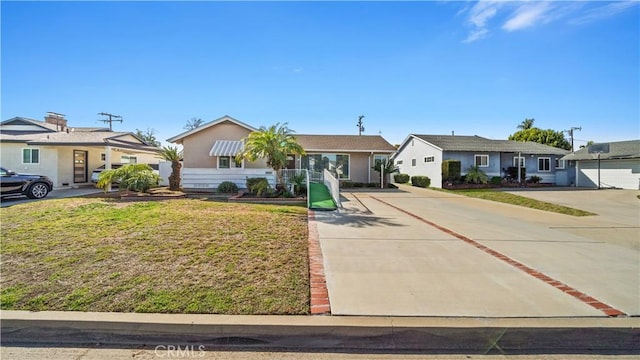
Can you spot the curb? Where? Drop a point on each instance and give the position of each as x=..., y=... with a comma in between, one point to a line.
x=325, y=333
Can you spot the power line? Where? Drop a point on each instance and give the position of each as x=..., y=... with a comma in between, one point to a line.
x=570, y=131
x=111, y=119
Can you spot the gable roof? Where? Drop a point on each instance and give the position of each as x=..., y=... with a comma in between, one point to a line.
x=41, y=126
x=617, y=150
x=81, y=138
x=347, y=143
x=178, y=138
x=480, y=144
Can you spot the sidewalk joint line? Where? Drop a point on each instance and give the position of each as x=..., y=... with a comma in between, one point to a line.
x=606, y=309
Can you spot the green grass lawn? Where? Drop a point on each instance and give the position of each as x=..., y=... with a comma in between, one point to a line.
x=175, y=256
x=503, y=197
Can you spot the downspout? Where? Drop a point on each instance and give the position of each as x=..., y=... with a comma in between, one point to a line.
x=369, y=167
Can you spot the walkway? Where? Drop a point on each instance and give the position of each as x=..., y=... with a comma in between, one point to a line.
x=404, y=253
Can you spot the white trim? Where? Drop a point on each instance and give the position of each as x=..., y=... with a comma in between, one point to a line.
x=342, y=151
x=30, y=156
x=475, y=162
x=232, y=163
x=523, y=161
x=560, y=161
x=328, y=153
x=544, y=158
x=181, y=136
x=430, y=159
x=414, y=162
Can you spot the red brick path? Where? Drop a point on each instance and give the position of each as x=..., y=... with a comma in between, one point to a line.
x=319, y=294
x=607, y=309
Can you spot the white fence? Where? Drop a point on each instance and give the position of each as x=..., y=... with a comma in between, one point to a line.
x=207, y=179
x=334, y=186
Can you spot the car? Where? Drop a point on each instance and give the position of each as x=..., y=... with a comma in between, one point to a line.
x=96, y=173
x=33, y=186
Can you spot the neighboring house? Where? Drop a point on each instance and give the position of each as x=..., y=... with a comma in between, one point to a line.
x=424, y=154
x=618, y=167
x=67, y=154
x=210, y=150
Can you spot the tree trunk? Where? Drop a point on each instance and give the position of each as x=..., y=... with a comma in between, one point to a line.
x=174, y=178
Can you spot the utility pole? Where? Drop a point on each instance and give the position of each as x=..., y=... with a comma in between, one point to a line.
x=360, y=125
x=570, y=131
x=111, y=119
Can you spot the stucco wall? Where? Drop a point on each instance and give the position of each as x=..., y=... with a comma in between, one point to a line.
x=11, y=158
x=416, y=149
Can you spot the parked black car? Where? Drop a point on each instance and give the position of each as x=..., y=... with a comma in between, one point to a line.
x=33, y=186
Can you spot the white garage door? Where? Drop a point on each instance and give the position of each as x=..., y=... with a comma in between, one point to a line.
x=613, y=173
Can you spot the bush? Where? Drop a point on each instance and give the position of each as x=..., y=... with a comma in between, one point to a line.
x=401, y=178
x=512, y=172
x=259, y=186
x=535, y=179
x=346, y=184
x=358, y=184
x=253, y=181
x=496, y=180
x=420, y=181
x=451, y=170
x=476, y=176
x=372, y=185
x=135, y=177
x=227, y=187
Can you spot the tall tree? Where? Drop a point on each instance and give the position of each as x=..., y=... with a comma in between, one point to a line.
x=273, y=144
x=547, y=137
x=526, y=124
x=148, y=136
x=386, y=165
x=171, y=153
x=193, y=123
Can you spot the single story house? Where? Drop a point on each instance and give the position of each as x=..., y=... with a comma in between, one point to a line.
x=613, y=164
x=209, y=155
x=66, y=154
x=424, y=154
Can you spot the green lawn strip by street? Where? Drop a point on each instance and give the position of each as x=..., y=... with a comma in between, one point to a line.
x=508, y=198
x=175, y=256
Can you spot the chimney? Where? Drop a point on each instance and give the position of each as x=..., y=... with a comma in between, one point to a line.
x=57, y=119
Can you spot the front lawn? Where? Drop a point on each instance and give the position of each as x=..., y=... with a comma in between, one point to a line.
x=175, y=256
x=508, y=198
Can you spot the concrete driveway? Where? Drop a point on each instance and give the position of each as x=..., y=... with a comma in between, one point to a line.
x=426, y=253
x=54, y=194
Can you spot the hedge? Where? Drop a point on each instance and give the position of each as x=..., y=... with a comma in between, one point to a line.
x=420, y=181
x=451, y=169
x=401, y=178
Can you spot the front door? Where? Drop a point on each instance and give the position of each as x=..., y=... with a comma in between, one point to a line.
x=79, y=166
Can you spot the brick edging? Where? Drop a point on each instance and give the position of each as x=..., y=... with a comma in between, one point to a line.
x=595, y=303
x=317, y=282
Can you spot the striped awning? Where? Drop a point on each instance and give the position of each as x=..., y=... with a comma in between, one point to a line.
x=226, y=148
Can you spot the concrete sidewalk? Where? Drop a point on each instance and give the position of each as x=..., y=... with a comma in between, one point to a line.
x=381, y=261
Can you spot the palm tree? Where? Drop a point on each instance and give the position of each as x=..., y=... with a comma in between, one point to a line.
x=526, y=124
x=387, y=166
x=171, y=153
x=273, y=144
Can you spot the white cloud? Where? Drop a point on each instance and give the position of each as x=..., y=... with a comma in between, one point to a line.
x=478, y=17
x=528, y=15
x=602, y=12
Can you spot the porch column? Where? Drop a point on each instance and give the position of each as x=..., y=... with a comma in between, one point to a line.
x=107, y=162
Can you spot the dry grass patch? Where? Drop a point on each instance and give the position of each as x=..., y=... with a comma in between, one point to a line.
x=176, y=256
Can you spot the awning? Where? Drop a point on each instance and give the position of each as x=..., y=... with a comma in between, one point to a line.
x=226, y=148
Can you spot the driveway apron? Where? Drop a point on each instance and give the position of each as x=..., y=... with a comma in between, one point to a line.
x=401, y=254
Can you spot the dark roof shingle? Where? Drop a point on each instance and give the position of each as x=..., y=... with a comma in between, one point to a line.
x=617, y=150
x=477, y=143
x=352, y=143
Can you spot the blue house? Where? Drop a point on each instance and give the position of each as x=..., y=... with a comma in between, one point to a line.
x=424, y=154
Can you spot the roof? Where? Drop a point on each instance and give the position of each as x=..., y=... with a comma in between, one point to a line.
x=480, y=144
x=73, y=138
x=617, y=150
x=347, y=143
x=226, y=148
x=178, y=138
x=45, y=126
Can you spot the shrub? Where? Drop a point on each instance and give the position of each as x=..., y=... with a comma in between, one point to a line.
x=259, y=186
x=476, y=176
x=346, y=184
x=227, y=187
x=451, y=170
x=372, y=185
x=135, y=177
x=401, y=178
x=358, y=184
x=253, y=181
x=496, y=180
x=535, y=179
x=420, y=181
x=512, y=172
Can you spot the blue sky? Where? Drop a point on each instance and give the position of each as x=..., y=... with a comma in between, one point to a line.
x=476, y=68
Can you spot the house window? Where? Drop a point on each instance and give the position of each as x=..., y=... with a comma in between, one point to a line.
x=481, y=160
x=560, y=164
x=224, y=162
x=429, y=159
x=379, y=158
x=544, y=164
x=103, y=157
x=31, y=156
x=237, y=163
x=126, y=159
x=398, y=162
x=337, y=164
x=413, y=162
x=518, y=160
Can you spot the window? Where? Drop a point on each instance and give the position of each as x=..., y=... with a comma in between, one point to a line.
x=398, y=162
x=31, y=156
x=337, y=164
x=224, y=162
x=429, y=159
x=126, y=159
x=560, y=164
x=379, y=158
x=519, y=160
x=481, y=160
x=544, y=164
x=413, y=162
x=237, y=163
x=103, y=157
